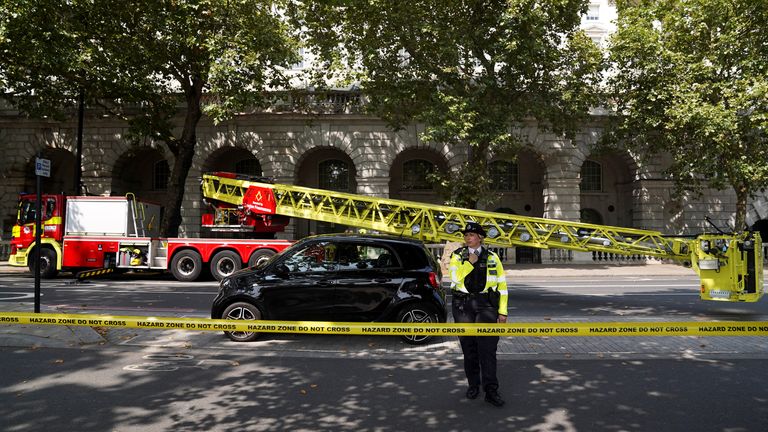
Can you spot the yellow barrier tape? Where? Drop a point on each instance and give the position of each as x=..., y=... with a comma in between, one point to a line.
x=679, y=328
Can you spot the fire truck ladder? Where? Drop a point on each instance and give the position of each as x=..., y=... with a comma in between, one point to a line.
x=730, y=265
x=435, y=223
x=137, y=211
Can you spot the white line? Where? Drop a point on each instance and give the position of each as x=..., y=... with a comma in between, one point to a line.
x=691, y=294
x=607, y=286
x=210, y=293
x=16, y=295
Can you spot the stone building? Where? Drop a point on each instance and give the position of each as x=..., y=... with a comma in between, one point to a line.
x=346, y=151
x=551, y=177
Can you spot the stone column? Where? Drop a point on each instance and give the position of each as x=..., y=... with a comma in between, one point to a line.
x=562, y=199
x=290, y=230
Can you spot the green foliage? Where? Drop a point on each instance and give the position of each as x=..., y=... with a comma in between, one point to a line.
x=690, y=79
x=148, y=62
x=43, y=55
x=468, y=70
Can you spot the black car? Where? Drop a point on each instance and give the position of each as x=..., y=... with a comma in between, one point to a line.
x=339, y=278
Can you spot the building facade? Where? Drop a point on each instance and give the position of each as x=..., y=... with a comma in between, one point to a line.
x=551, y=177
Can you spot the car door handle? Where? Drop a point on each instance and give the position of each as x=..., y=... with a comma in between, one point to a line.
x=381, y=280
x=326, y=282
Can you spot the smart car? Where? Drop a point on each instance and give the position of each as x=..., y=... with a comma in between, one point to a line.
x=339, y=277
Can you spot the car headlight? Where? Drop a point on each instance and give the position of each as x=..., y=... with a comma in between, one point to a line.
x=225, y=283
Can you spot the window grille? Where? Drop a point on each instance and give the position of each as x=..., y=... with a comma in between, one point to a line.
x=415, y=174
x=161, y=174
x=504, y=175
x=591, y=177
x=334, y=175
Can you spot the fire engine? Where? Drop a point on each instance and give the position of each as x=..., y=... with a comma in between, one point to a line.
x=79, y=233
x=730, y=265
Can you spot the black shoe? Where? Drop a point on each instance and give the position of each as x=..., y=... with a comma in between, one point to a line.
x=473, y=392
x=493, y=398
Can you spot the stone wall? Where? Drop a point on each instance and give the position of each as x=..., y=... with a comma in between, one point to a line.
x=281, y=141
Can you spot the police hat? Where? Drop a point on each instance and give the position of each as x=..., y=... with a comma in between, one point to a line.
x=473, y=227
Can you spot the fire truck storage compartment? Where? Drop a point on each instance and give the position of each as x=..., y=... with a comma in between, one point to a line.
x=143, y=254
x=111, y=216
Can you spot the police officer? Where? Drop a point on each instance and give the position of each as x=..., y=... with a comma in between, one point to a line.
x=479, y=290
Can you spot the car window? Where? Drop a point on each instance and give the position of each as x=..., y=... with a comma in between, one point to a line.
x=314, y=257
x=359, y=257
x=415, y=257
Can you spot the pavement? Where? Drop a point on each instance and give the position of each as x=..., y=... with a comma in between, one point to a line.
x=324, y=346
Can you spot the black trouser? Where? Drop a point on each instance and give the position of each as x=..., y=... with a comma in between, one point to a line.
x=479, y=351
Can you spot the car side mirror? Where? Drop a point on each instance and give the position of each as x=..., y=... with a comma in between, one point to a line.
x=282, y=271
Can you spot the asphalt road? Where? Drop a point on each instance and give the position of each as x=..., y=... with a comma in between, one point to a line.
x=120, y=389
x=564, y=297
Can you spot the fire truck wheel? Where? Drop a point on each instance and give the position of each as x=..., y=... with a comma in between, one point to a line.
x=224, y=263
x=186, y=265
x=260, y=255
x=47, y=263
x=242, y=311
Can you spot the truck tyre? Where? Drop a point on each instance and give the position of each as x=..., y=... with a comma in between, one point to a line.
x=224, y=263
x=260, y=255
x=186, y=266
x=47, y=263
x=241, y=311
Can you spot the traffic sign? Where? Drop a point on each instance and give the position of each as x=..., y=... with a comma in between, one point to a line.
x=43, y=167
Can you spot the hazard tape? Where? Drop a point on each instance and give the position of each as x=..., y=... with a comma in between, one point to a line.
x=682, y=328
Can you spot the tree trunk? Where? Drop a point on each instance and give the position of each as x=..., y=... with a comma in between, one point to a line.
x=184, y=152
x=742, y=194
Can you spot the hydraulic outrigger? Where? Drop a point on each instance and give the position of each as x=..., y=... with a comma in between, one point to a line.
x=730, y=265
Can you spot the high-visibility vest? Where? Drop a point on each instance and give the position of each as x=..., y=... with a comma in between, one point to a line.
x=495, y=279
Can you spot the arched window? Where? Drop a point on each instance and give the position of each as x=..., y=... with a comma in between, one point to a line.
x=503, y=175
x=161, y=173
x=590, y=216
x=334, y=175
x=591, y=177
x=415, y=172
x=250, y=167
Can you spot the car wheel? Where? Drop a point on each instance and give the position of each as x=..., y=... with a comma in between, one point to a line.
x=47, y=263
x=420, y=314
x=259, y=256
x=224, y=263
x=186, y=265
x=242, y=311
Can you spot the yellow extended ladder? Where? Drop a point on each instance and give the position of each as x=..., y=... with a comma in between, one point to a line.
x=730, y=265
x=435, y=223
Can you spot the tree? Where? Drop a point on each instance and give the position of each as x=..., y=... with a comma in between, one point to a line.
x=468, y=70
x=42, y=56
x=150, y=61
x=690, y=78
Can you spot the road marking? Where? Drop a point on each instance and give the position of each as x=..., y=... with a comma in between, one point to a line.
x=137, y=291
x=692, y=294
x=174, y=362
x=605, y=286
x=16, y=296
